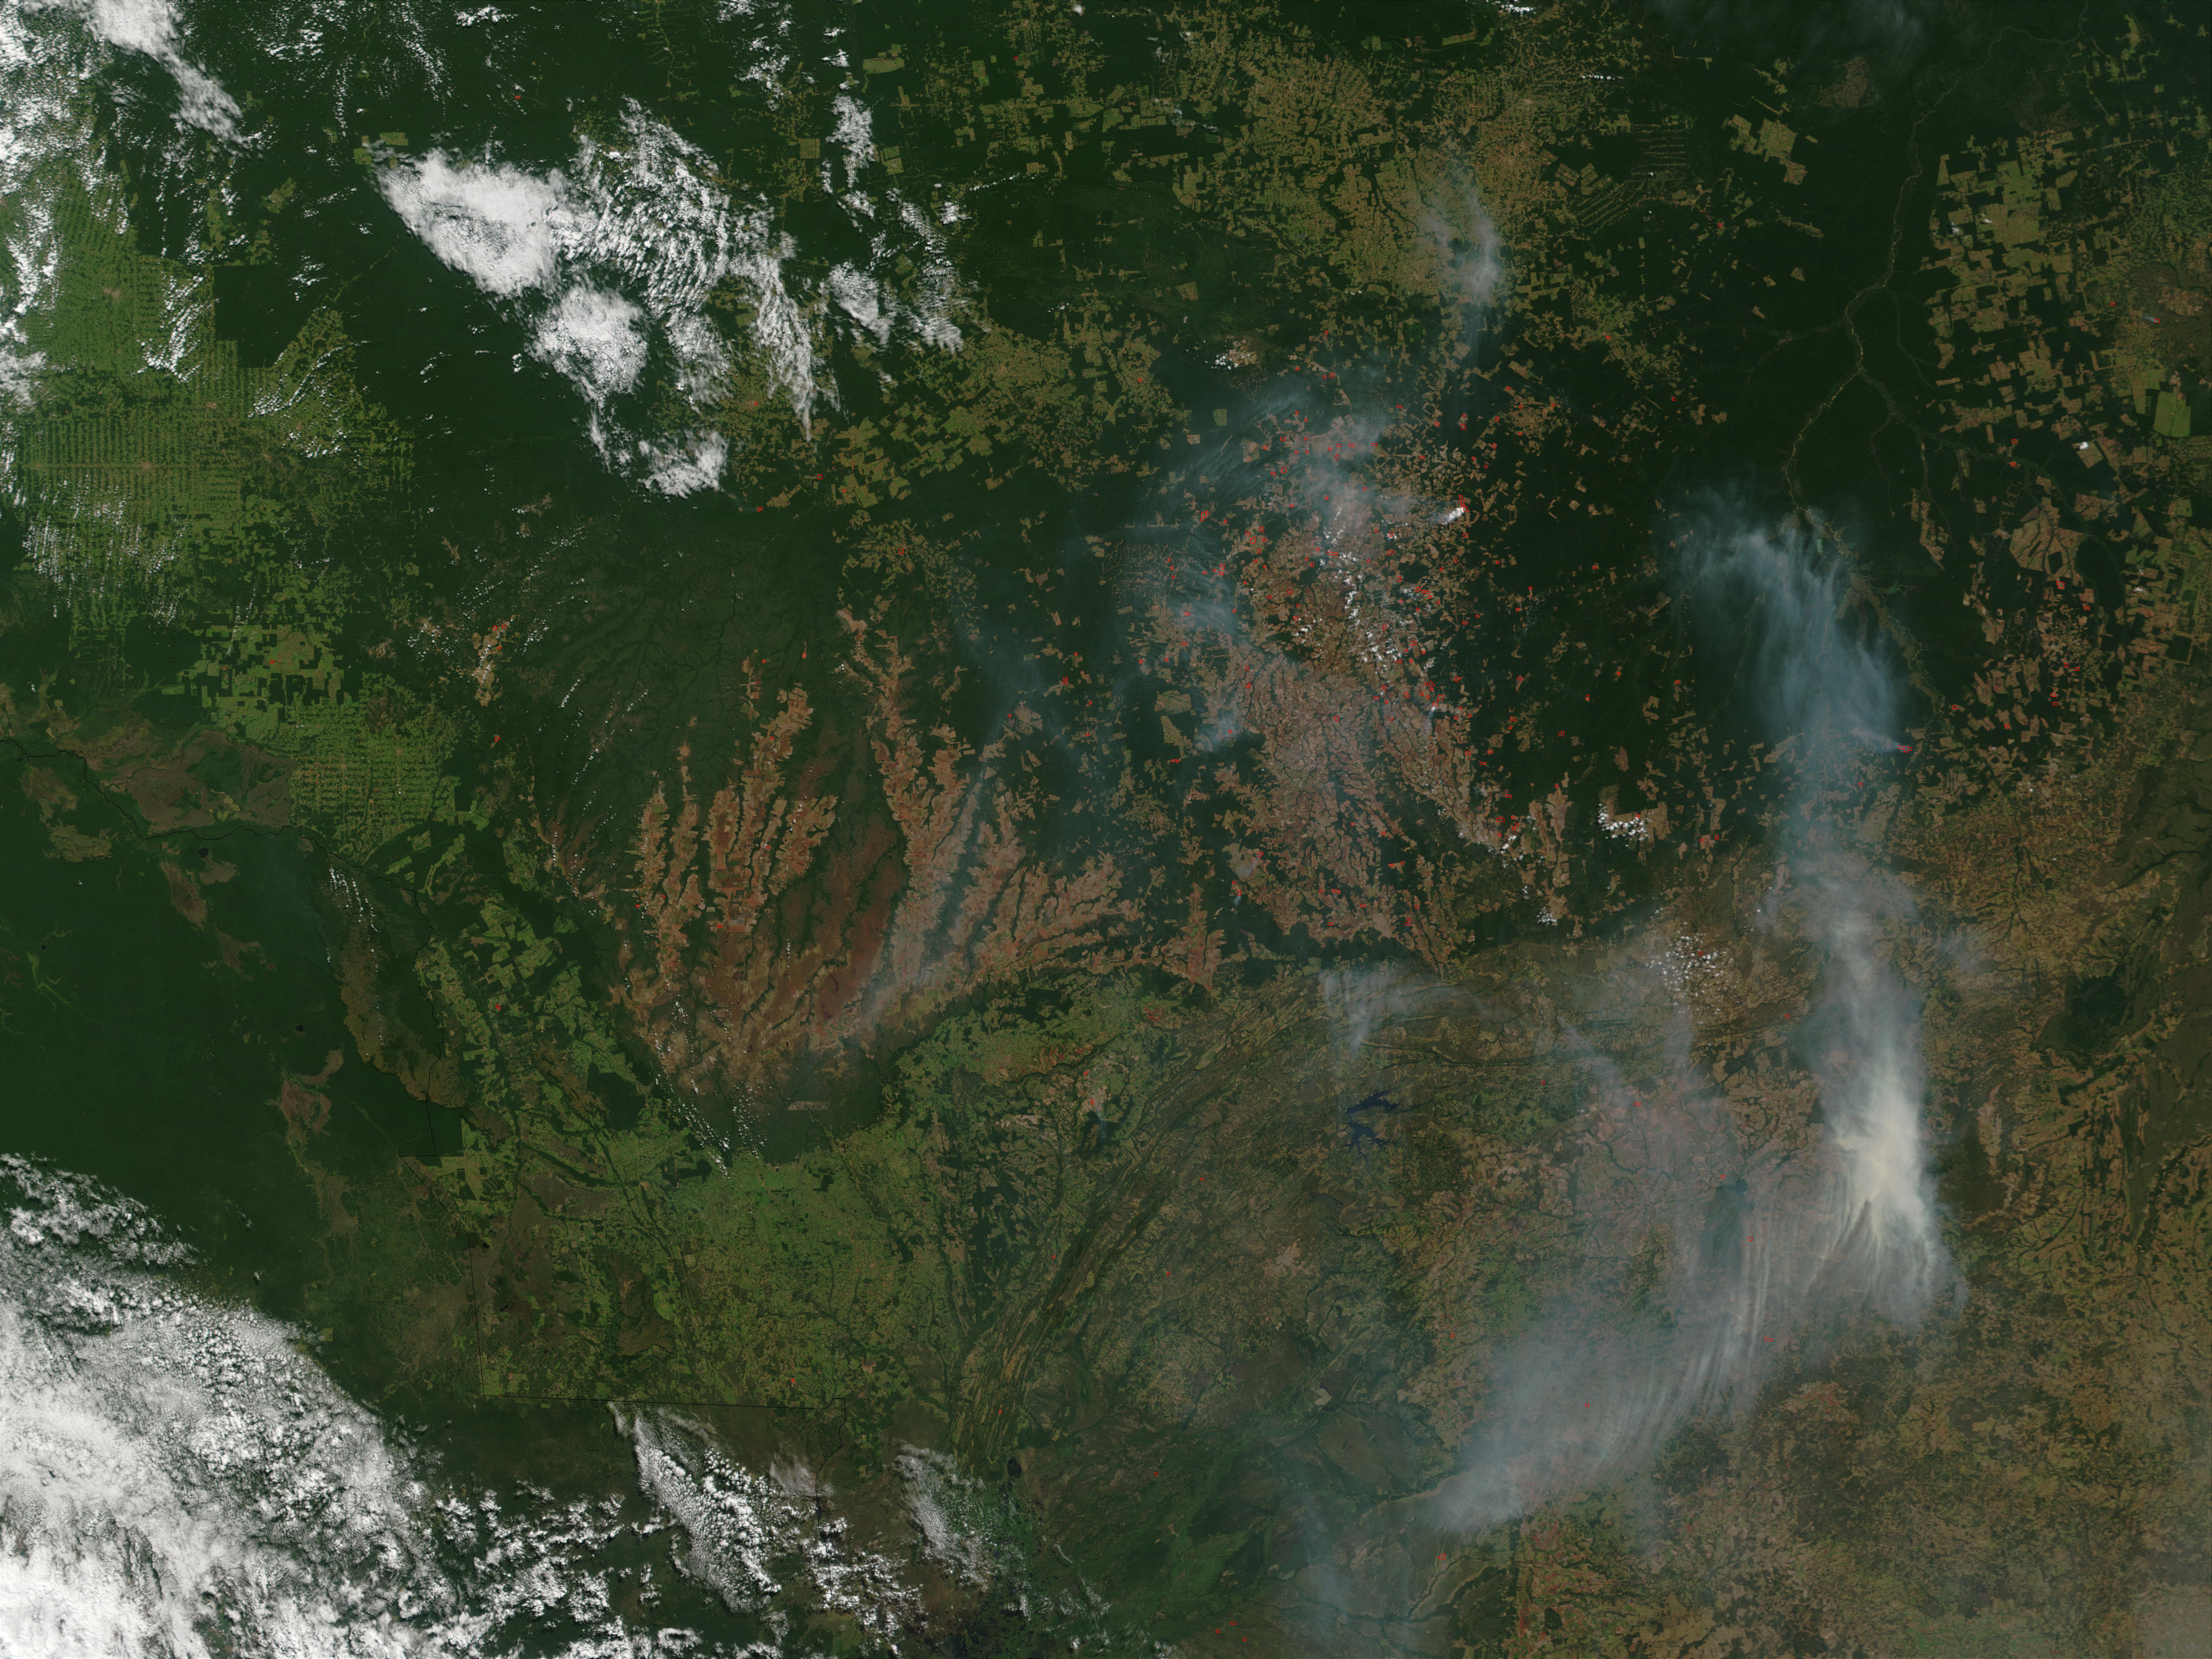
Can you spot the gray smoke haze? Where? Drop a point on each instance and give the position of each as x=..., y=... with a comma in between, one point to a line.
x=1303, y=458
x=1894, y=35
x=1358, y=999
x=1473, y=257
x=1760, y=1243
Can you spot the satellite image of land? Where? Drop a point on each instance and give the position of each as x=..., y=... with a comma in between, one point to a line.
x=1293, y=827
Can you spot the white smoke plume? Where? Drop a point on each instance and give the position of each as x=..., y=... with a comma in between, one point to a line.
x=1763, y=1244
x=1358, y=999
x=1473, y=257
x=1817, y=679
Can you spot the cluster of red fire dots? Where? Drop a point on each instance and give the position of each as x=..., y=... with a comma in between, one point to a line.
x=1392, y=590
x=1338, y=612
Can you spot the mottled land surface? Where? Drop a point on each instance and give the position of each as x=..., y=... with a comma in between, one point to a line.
x=1182, y=763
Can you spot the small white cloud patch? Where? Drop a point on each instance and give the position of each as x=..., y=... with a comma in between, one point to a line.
x=616, y=259
x=596, y=339
x=856, y=291
x=610, y=262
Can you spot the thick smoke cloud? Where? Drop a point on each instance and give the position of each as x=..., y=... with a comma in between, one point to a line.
x=1761, y=1244
x=1830, y=690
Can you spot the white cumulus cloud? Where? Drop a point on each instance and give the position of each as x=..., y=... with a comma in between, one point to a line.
x=150, y=27
x=495, y=225
x=596, y=339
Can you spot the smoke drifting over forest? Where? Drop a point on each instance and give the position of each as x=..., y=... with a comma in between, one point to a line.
x=1759, y=1247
